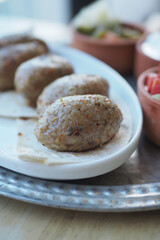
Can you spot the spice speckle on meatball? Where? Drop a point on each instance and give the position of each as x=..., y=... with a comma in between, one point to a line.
x=74, y=84
x=78, y=123
x=33, y=75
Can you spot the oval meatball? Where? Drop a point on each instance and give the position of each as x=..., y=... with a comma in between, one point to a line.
x=75, y=84
x=19, y=38
x=32, y=76
x=78, y=123
x=12, y=56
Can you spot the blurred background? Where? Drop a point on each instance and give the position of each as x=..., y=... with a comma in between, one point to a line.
x=63, y=10
x=51, y=19
x=24, y=15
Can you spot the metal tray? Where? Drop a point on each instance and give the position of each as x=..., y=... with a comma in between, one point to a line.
x=135, y=186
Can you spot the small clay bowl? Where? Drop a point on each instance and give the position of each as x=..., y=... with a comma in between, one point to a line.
x=151, y=109
x=142, y=61
x=119, y=55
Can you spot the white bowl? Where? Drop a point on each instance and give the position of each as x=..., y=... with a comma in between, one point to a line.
x=83, y=63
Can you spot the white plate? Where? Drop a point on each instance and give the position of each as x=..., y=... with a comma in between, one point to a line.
x=82, y=63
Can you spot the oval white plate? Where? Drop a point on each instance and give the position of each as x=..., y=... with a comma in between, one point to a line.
x=83, y=63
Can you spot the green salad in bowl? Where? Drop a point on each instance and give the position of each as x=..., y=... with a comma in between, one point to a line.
x=113, y=41
x=110, y=30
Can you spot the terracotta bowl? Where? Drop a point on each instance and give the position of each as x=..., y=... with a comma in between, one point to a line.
x=151, y=109
x=119, y=55
x=142, y=61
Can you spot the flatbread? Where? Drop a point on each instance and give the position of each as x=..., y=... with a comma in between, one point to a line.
x=29, y=149
x=14, y=105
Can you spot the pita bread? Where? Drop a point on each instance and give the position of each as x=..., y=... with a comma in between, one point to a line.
x=29, y=149
x=14, y=105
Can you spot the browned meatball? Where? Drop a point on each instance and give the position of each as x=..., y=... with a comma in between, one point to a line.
x=78, y=123
x=12, y=56
x=74, y=84
x=32, y=76
x=19, y=38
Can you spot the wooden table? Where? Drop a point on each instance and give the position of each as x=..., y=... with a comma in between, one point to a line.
x=24, y=221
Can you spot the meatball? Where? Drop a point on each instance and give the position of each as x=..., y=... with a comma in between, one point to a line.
x=69, y=86
x=19, y=38
x=12, y=56
x=32, y=76
x=78, y=123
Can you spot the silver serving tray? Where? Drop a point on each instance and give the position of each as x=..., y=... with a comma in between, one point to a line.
x=135, y=186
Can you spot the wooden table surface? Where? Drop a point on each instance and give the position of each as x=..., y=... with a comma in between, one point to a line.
x=24, y=221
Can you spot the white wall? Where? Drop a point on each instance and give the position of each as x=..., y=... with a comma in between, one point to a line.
x=57, y=10
x=133, y=10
